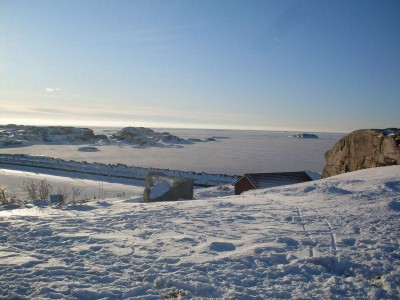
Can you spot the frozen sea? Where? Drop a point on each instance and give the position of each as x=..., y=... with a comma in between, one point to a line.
x=235, y=152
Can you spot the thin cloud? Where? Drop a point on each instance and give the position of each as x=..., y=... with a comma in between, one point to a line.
x=49, y=110
x=52, y=90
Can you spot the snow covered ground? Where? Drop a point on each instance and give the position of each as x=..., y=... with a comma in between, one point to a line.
x=111, y=187
x=45, y=164
x=329, y=239
x=13, y=180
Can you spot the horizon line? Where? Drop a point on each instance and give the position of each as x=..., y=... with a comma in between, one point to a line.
x=168, y=126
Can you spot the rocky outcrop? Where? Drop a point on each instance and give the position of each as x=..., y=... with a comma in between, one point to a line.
x=361, y=149
x=161, y=187
x=146, y=137
x=20, y=135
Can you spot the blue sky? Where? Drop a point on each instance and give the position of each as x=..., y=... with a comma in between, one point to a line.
x=280, y=65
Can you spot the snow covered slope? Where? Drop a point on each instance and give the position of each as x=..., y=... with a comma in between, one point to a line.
x=336, y=238
x=44, y=164
x=12, y=181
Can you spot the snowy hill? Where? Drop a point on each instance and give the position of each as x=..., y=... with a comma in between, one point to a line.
x=335, y=238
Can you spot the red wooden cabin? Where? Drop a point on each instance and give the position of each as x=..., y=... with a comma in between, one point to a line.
x=266, y=180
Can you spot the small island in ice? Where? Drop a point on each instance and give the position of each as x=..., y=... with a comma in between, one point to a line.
x=142, y=136
x=304, y=136
x=88, y=149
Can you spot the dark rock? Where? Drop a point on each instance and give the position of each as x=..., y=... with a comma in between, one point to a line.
x=88, y=149
x=304, y=136
x=161, y=187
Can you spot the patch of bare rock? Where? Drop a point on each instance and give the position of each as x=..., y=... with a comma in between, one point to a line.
x=362, y=149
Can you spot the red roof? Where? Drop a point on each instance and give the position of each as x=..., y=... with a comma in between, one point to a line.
x=266, y=180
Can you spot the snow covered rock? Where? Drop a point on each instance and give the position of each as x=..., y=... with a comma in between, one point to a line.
x=142, y=136
x=361, y=149
x=21, y=135
x=161, y=187
x=145, y=137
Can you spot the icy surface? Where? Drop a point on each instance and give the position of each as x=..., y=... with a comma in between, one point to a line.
x=335, y=238
x=313, y=175
x=243, y=152
x=12, y=180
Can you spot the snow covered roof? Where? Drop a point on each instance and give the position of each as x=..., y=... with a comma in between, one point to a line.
x=266, y=180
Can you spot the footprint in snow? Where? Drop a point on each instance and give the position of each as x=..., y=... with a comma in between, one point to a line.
x=393, y=185
x=348, y=241
x=288, y=241
x=95, y=248
x=394, y=205
x=222, y=246
x=289, y=219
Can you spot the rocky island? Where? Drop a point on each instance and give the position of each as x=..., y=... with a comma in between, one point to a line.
x=142, y=136
x=20, y=135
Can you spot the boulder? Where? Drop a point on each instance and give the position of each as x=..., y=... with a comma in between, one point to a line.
x=161, y=187
x=361, y=149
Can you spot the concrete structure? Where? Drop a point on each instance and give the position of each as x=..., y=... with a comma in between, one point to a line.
x=161, y=187
x=266, y=180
